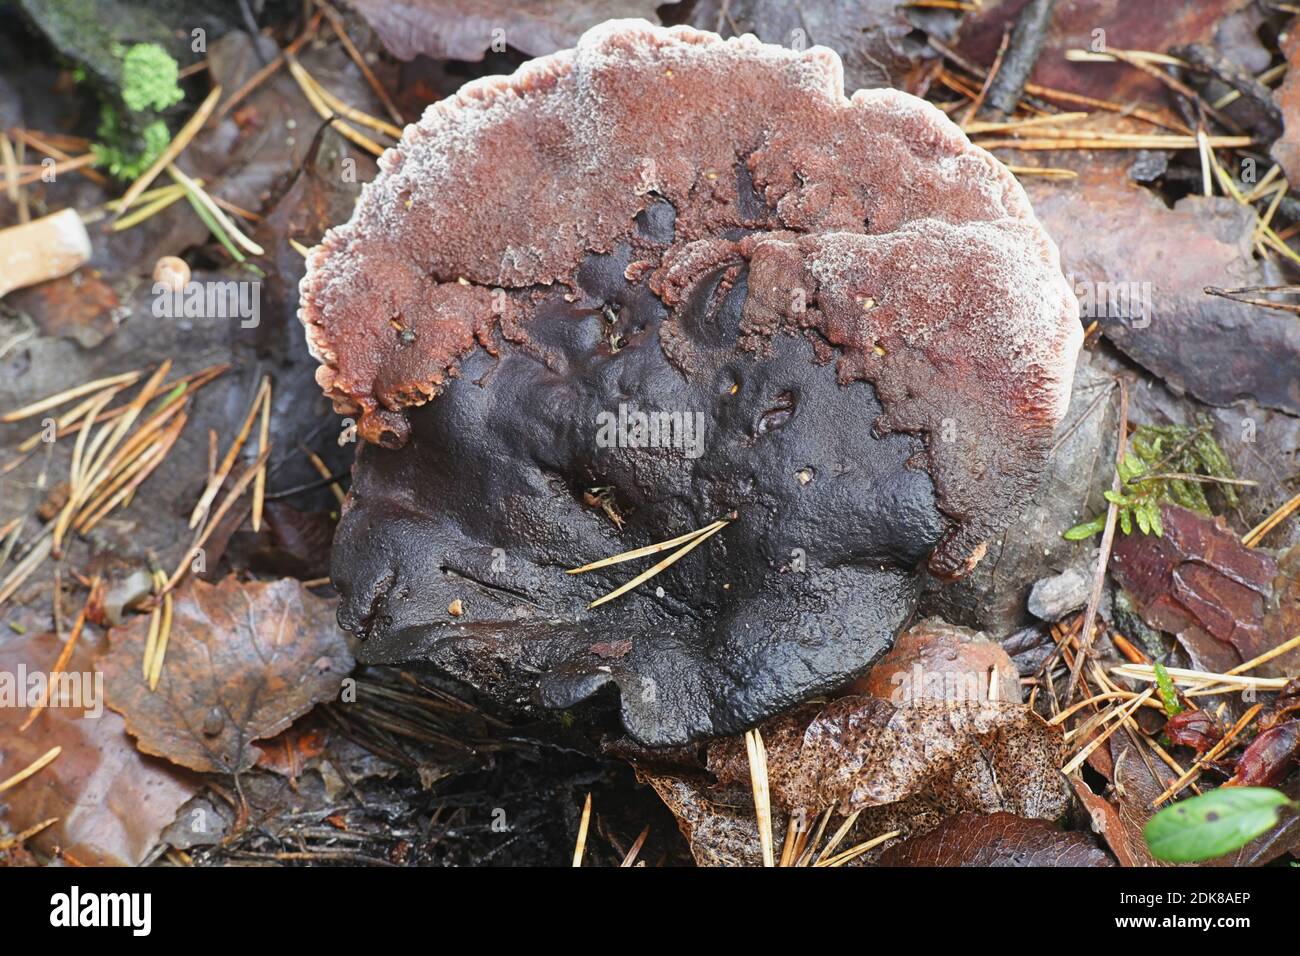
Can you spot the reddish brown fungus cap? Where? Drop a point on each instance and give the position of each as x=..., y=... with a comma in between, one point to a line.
x=733, y=216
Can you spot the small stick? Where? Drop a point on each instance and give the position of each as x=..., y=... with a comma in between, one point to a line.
x=860, y=849
x=260, y=77
x=640, y=552
x=665, y=563
x=324, y=471
x=164, y=634
x=174, y=149
x=1103, y=557
x=227, y=503
x=197, y=191
x=340, y=30
x=42, y=146
x=306, y=84
x=1126, y=712
x=1256, y=533
x=1026, y=44
x=65, y=655
x=581, y=846
x=35, y=767
x=20, y=838
x=762, y=797
x=210, y=492
x=263, y=440
x=630, y=859
x=837, y=837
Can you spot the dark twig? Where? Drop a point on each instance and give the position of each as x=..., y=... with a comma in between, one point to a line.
x=1236, y=295
x=1103, y=555
x=1026, y=44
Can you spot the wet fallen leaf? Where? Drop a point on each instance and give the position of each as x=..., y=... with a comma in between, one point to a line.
x=938, y=660
x=879, y=41
x=898, y=768
x=1269, y=757
x=996, y=839
x=1201, y=584
x=465, y=29
x=1195, y=729
x=112, y=802
x=1141, y=268
x=1287, y=98
x=244, y=660
x=1152, y=25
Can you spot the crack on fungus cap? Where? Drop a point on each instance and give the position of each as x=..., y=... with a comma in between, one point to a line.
x=858, y=302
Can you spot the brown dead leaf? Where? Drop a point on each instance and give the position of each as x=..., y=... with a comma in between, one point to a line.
x=111, y=801
x=996, y=839
x=861, y=751
x=1201, y=584
x=244, y=660
x=1287, y=98
x=899, y=768
x=1141, y=268
x=1153, y=25
x=938, y=660
x=465, y=29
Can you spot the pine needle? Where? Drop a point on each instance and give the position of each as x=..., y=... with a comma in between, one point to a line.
x=762, y=796
x=581, y=846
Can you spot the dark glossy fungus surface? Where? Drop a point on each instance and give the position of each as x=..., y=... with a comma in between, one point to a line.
x=853, y=332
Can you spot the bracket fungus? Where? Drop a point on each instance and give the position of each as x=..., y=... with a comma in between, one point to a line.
x=663, y=284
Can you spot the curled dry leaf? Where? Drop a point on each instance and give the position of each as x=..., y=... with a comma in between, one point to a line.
x=112, y=802
x=244, y=660
x=996, y=839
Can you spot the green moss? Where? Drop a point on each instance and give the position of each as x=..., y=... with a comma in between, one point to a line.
x=149, y=77
x=1155, y=451
x=130, y=140
x=120, y=154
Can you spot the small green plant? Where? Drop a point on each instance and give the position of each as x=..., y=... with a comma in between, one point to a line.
x=1215, y=823
x=129, y=144
x=1168, y=693
x=1160, y=466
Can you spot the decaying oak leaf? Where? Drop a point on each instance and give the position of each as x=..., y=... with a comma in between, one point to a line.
x=862, y=751
x=244, y=660
x=112, y=802
x=996, y=839
x=466, y=29
x=832, y=317
x=900, y=768
x=1226, y=603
